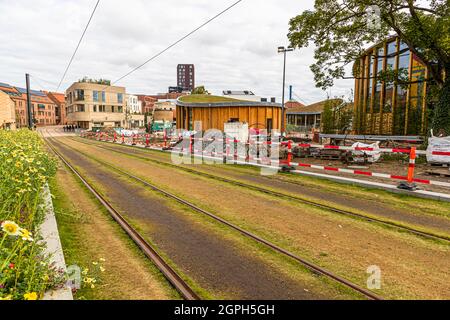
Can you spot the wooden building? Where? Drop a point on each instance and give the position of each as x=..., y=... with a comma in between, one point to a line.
x=214, y=111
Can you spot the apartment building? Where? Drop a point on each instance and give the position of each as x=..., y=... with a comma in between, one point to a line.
x=60, y=102
x=186, y=76
x=134, y=118
x=148, y=101
x=93, y=103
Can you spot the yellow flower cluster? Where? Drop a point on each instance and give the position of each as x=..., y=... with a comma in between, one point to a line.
x=89, y=278
x=30, y=296
x=25, y=167
x=11, y=228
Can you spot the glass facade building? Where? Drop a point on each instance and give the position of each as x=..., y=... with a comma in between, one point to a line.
x=390, y=108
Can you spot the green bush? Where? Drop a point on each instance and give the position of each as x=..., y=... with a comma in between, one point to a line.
x=25, y=272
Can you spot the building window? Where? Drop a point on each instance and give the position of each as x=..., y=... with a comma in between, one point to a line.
x=94, y=108
x=379, y=85
x=120, y=97
x=113, y=109
x=120, y=109
x=79, y=95
x=95, y=96
x=370, y=80
x=103, y=96
x=102, y=108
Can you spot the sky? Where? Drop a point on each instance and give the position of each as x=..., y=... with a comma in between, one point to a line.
x=237, y=51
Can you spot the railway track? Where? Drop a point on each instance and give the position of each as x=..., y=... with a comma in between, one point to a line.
x=328, y=208
x=169, y=273
x=309, y=265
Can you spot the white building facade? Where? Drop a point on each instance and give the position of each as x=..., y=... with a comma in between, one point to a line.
x=134, y=106
x=135, y=119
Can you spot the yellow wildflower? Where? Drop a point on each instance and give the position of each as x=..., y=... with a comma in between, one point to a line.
x=11, y=228
x=30, y=296
x=89, y=280
x=95, y=263
x=102, y=259
x=26, y=235
x=102, y=269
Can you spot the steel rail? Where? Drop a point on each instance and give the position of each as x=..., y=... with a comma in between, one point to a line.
x=284, y=195
x=171, y=275
x=309, y=265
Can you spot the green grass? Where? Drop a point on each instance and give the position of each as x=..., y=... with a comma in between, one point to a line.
x=355, y=191
x=204, y=98
x=79, y=250
x=285, y=265
x=393, y=291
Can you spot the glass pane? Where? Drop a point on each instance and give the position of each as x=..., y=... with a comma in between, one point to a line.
x=370, y=81
x=403, y=61
x=403, y=46
x=392, y=47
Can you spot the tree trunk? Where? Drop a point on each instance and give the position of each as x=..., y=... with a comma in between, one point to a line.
x=441, y=115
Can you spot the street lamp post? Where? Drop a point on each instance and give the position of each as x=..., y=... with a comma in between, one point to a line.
x=283, y=109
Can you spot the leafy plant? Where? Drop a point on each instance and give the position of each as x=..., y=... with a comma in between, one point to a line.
x=25, y=272
x=342, y=30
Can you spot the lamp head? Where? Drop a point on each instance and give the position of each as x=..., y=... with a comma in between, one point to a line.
x=281, y=49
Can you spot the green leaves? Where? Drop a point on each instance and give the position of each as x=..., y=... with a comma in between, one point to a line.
x=25, y=168
x=342, y=30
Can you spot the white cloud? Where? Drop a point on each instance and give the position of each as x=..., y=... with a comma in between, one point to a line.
x=236, y=51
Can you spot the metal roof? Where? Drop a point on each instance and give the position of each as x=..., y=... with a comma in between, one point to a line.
x=228, y=104
x=5, y=85
x=33, y=92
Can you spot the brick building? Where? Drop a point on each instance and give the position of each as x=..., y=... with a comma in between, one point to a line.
x=186, y=76
x=7, y=112
x=59, y=100
x=148, y=101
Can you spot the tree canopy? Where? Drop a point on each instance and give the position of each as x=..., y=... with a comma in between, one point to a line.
x=342, y=29
x=200, y=90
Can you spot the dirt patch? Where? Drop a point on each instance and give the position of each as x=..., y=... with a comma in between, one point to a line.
x=283, y=183
x=411, y=267
x=128, y=274
x=212, y=261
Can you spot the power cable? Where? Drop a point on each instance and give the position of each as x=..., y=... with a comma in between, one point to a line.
x=176, y=42
x=78, y=45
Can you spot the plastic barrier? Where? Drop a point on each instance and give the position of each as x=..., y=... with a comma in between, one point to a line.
x=438, y=150
x=145, y=141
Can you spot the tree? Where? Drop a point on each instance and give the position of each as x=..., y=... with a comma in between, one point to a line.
x=341, y=30
x=327, y=118
x=200, y=90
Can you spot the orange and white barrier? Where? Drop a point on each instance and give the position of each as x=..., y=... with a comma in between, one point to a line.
x=248, y=159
